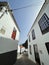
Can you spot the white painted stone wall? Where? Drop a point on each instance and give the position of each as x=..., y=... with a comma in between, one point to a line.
x=7, y=45
x=8, y=24
x=40, y=39
x=6, y=42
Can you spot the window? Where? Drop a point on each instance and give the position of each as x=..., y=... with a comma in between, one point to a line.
x=13, y=34
x=30, y=49
x=47, y=46
x=33, y=34
x=29, y=38
x=44, y=24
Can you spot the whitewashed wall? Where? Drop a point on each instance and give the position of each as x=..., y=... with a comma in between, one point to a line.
x=7, y=22
x=6, y=42
x=7, y=45
x=40, y=39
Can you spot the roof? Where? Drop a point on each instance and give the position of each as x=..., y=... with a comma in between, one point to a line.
x=46, y=1
x=4, y=3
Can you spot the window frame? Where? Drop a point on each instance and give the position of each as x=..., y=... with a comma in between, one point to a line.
x=33, y=35
x=14, y=32
x=45, y=18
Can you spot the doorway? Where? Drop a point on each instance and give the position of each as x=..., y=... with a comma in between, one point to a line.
x=37, y=58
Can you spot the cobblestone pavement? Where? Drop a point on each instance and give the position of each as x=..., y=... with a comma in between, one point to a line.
x=23, y=60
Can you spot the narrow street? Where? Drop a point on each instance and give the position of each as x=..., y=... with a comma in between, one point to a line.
x=23, y=60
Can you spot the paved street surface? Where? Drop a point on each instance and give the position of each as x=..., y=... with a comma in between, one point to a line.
x=23, y=60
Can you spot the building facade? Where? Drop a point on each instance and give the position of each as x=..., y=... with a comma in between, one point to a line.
x=38, y=37
x=9, y=35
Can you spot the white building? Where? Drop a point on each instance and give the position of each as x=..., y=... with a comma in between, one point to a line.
x=9, y=35
x=38, y=37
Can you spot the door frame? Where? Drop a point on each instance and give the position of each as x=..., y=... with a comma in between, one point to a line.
x=36, y=53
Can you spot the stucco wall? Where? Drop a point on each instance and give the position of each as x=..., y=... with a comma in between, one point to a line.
x=7, y=45
x=40, y=39
x=8, y=24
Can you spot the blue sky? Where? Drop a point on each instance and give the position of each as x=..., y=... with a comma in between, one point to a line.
x=25, y=17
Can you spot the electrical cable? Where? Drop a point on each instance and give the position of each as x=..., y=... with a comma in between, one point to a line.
x=22, y=7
